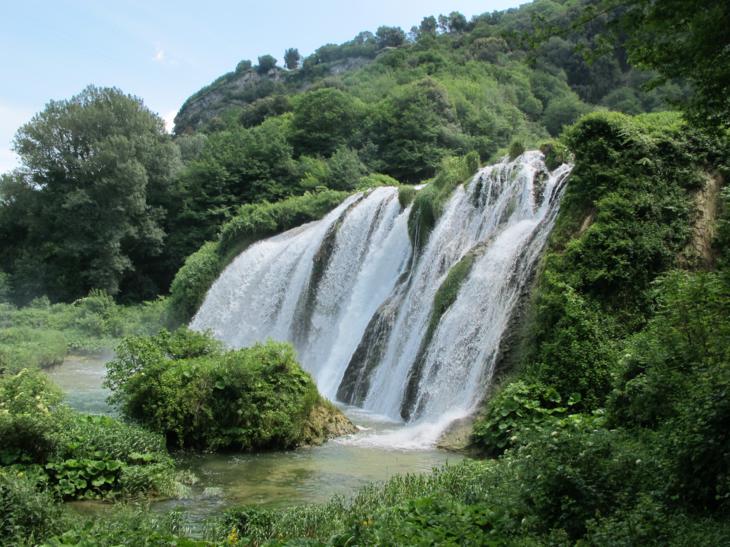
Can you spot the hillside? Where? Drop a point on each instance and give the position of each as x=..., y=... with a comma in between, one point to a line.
x=545, y=72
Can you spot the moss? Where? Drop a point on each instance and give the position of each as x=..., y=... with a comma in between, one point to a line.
x=445, y=296
x=325, y=421
x=516, y=148
x=430, y=201
x=449, y=289
x=556, y=154
x=406, y=195
x=192, y=282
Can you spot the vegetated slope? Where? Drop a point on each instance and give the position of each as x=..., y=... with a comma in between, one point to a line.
x=385, y=104
x=548, y=84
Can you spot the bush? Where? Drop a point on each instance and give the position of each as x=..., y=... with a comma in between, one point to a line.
x=27, y=514
x=517, y=409
x=183, y=385
x=430, y=201
x=29, y=425
x=516, y=149
x=257, y=221
x=76, y=456
x=192, y=282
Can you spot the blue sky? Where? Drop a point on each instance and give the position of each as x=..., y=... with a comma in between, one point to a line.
x=163, y=50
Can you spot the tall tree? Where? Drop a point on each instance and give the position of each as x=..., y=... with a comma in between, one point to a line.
x=684, y=39
x=88, y=202
x=292, y=58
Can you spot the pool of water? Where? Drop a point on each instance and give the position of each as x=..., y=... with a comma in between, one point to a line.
x=80, y=377
x=305, y=475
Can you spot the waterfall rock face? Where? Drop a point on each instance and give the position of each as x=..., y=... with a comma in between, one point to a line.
x=349, y=294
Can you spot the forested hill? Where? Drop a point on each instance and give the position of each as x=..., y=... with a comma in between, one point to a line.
x=525, y=85
x=121, y=205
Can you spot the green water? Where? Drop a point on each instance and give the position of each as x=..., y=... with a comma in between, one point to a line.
x=306, y=475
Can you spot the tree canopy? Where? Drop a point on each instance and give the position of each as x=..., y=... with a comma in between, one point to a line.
x=86, y=207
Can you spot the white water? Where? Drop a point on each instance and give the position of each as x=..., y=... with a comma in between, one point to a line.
x=319, y=285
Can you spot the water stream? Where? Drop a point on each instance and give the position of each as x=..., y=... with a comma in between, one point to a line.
x=356, y=301
x=306, y=475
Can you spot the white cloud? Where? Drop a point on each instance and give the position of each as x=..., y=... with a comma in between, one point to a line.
x=159, y=55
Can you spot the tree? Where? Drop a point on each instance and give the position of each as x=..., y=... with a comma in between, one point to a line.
x=266, y=63
x=684, y=39
x=414, y=129
x=428, y=25
x=390, y=36
x=87, y=205
x=456, y=22
x=292, y=58
x=243, y=66
x=324, y=120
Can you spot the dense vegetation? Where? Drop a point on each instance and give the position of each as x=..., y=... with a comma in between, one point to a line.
x=185, y=386
x=611, y=425
x=50, y=452
x=106, y=200
x=42, y=334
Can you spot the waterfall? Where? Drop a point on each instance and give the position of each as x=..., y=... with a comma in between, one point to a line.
x=358, y=306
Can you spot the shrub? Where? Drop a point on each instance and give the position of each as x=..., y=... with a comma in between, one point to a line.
x=266, y=63
x=76, y=456
x=406, y=195
x=183, y=385
x=429, y=202
x=192, y=282
x=517, y=408
x=516, y=149
x=27, y=514
x=29, y=426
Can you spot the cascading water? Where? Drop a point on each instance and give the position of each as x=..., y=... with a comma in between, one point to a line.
x=347, y=292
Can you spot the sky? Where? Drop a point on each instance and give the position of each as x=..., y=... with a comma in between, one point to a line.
x=163, y=50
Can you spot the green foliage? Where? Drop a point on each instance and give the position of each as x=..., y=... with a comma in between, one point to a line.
x=449, y=290
x=406, y=195
x=28, y=425
x=429, y=202
x=688, y=40
x=258, y=111
x=344, y=170
x=27, y=514
x=625, y=219
x=85, y=210
x=192, y=282
x=561, y=112
x=40, y=335
x=673, y=378
x=75, y=456
x=425, y=521
x=517, y=409
x=254, y=222
x=556, y=154
x=413, y=127
x=126, y=525
x=324, y=120
x=292, y=58
x=251, y=223
x=183, y=385
x=516, y=149
x=266, y=63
